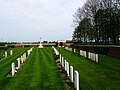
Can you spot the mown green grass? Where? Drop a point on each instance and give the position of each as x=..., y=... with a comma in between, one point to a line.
x=39, y=72
x=104, y=75
x=5, y=64
x=3, y=52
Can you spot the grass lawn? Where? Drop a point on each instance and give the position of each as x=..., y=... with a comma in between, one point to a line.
x=3, y=52
x=39, y=72
x=104, y=75
x=5, y=64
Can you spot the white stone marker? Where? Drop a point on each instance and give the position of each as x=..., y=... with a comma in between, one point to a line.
x=96, y=58
x=25, y=56
x=18, y=62
x=88, y=55
x=60, y=58
x=62, y=61
x=71, y=73
x=81, y=53
x=93, y=56
x=11, y=52
x=65, y=65
x=68, y=72
x=74, y=50
x=85, y=54
x=28, y=52
x=5, y=54
x=13, y=69
x=76, y=76
x=22, y=59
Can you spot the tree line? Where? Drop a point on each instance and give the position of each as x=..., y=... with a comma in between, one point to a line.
x=97, y=22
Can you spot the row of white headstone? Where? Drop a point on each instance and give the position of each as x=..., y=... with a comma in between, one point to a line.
x=91, y=56
x=74, y=75
x=83, y=53
x=68, y=48
x=20, y=60
x=6, y=53
x=55, y=50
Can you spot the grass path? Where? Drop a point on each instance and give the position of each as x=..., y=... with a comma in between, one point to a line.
x=93, y=76
x=39, y=72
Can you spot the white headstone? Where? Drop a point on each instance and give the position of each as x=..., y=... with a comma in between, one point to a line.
x=76, y=76
x=18, y=62
x=13, y=69
x=5, y=54
x=62, y=61
x=71, y=73
x=22, y=60
x=85, y=53
x=68, y=72
x=94, y=56
x=97, y=58
x=11, y=52
x=88, y=55
x=28, y=52
x=74, y=50
x=82, y=52
x=56, y=51
x=60, y=58
x=25, y=56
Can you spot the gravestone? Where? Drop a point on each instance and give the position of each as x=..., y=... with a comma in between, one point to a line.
x=63, y=61
x=60, y=58
x=68, y=72
x=85, y=53
x=97, y=58
x=71, y=73
x=88, y=55
x=76, y=76
x=5, y=54
x=11, y=52
x=25, y=56
x=22, y=61
x=28, y=52
x=18, y=62
x=74, y=50
x=13, y=69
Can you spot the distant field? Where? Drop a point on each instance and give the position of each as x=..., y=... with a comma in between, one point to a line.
x=102, y=76
x=39, y=72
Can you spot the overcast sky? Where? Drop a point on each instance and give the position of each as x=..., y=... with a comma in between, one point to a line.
x=28, y=20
